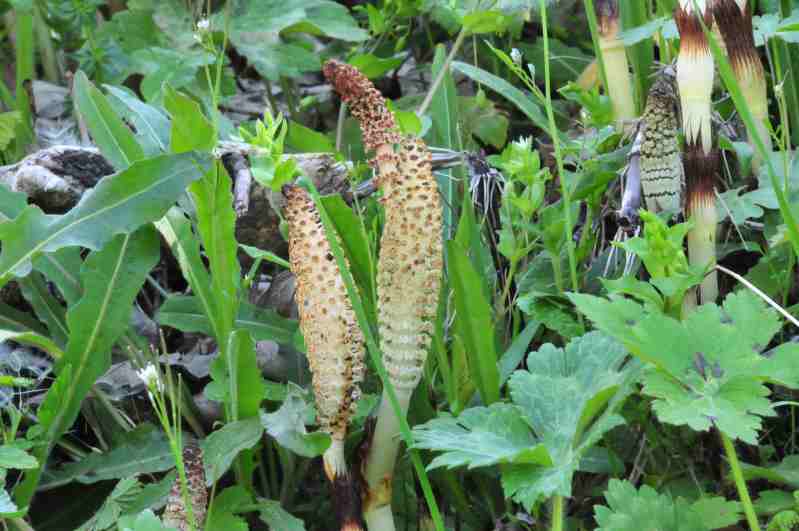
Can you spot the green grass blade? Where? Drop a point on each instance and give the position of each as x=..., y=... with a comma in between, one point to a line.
x=444, y=133
x=25, y=73
x=474, y=322
x=522, y=100
x=642, y=54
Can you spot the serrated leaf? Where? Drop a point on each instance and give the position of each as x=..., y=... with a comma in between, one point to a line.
x=112, y=136
x=479, y=437
x=628, y=509
x=287, y=426
x=120, y=203
x=185, y=313
x=717, y=512
x=710, y=368
x=221, y=447
x=569, y=397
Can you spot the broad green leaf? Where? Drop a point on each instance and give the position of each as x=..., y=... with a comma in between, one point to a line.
x=120, y=203
x=287, y=426
x=144, y=521
x=112, y=277
x=328, y=18
x=273, y=515
x=786, y=472
x=185, y=313
x=221, y=447
x=479, y=437
x=569, y=397
x=372, y=66
x=524, y=102
x=306, y=140
x=115, y=140
x=475, y=322
x=717, y=512
x=11, y=203
x=222, y=513
x=61, y=268
x=145, y=451
x=237, y=377
x=152, y=125
x=13, y=457
x=190, y=129
x=710, y=368
x=628, y=509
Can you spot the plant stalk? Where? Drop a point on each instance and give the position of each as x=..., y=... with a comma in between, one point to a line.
x=557, y=513
x=740, y=483
x=734, y=20
x=617, y=68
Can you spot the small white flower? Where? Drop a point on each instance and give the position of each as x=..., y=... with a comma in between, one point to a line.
x=204, y=24
x=516, y=56
x=151, y=377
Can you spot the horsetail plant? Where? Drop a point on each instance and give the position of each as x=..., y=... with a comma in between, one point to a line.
x=662, y=173
x=334, y=342
x=614, y=57
x=409, y=273
x=734, y=20
x=695, y=70
x=177, y=513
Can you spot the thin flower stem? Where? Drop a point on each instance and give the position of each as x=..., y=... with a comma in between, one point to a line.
x=740, y=484
x=555, y=134
x=428, y=99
